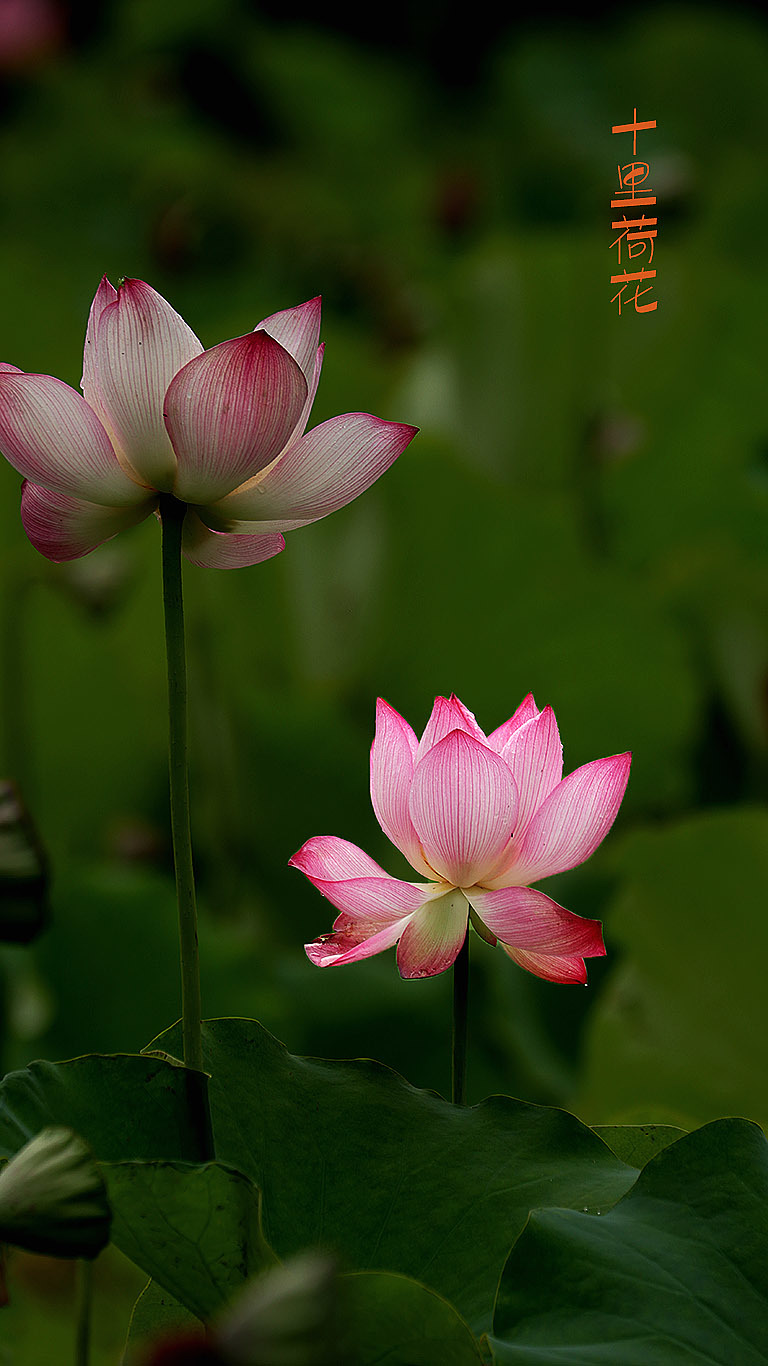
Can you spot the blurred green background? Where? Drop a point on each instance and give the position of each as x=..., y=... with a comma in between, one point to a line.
x=584, y=515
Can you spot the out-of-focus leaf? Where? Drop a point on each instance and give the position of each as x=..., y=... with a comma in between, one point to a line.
x=109, y=960
x=681, y=1030
x=636, y=1144
x=581, y=633
x=676, y=1271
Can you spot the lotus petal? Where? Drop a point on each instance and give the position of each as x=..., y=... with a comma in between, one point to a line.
x=432, y=939
x=64, y=528
x=392, y=759
x=140, y=343
x=525, y=918
x=570, y=824
x=215, y=550
x=463, y=804
x=51, y=436
x=229, y=413
x=316, y=475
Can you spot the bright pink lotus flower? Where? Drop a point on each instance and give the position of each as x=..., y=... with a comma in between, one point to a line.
x=482, y=817
x=223, y=430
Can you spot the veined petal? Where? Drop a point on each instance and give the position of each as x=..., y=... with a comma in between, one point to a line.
x=527, y=711
x=298, y=332
x=105, y=294
x=433, y=937
x=64, y=528
x=333, y=859
x=355, y=884
x=7, y=369
x=316, y=475
x=140, y=343
x=216, y=550
x=350, y=946
x=463, y=804
x=448, y=714
x=527, y=919
x=229, y=413
x=392, y=758
x=313, y=379
x=51, y=436
x=569, y=971
x=535, y=758
x=571, y=822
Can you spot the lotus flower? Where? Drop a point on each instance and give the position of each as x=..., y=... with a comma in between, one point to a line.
x=222, y=430
x=481, y=817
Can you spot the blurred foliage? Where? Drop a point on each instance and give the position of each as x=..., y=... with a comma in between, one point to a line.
x=38, y=1322
x=688, y=1043
x=583, y=515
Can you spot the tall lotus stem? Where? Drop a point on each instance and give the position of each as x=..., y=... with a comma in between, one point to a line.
x=172, y=514
x=459, y=1032
x=84, y=1297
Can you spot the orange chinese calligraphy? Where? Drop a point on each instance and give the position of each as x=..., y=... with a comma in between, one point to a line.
x=636, y=234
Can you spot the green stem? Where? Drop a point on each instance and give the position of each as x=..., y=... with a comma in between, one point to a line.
x=84, y=1299
x=172, y=514
x=459, y=1031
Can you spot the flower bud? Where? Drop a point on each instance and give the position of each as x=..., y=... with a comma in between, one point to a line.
x=53, y=1198
x=288, y=1317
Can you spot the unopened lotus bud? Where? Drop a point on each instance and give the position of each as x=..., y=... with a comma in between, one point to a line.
x=288, y=1317
x=53, y=1198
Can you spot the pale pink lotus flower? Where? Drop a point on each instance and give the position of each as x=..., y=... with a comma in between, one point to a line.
x=222, y=430
x=481, y=817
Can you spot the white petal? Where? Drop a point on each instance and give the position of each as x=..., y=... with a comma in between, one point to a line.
x=316, y=475
x=50, y=435
x=216, y=550
x=140, y=344
x=64, y=528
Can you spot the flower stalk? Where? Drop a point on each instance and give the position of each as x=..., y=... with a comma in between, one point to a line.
x=84, y=1304
x=172, y=514
x=459, y=1031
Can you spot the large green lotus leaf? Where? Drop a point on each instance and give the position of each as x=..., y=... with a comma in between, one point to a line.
x=676, y=1272
x=123, y=1106
x=681, y=1030
x=349, y=1156
x=195, y=1230
x=392, y=1318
